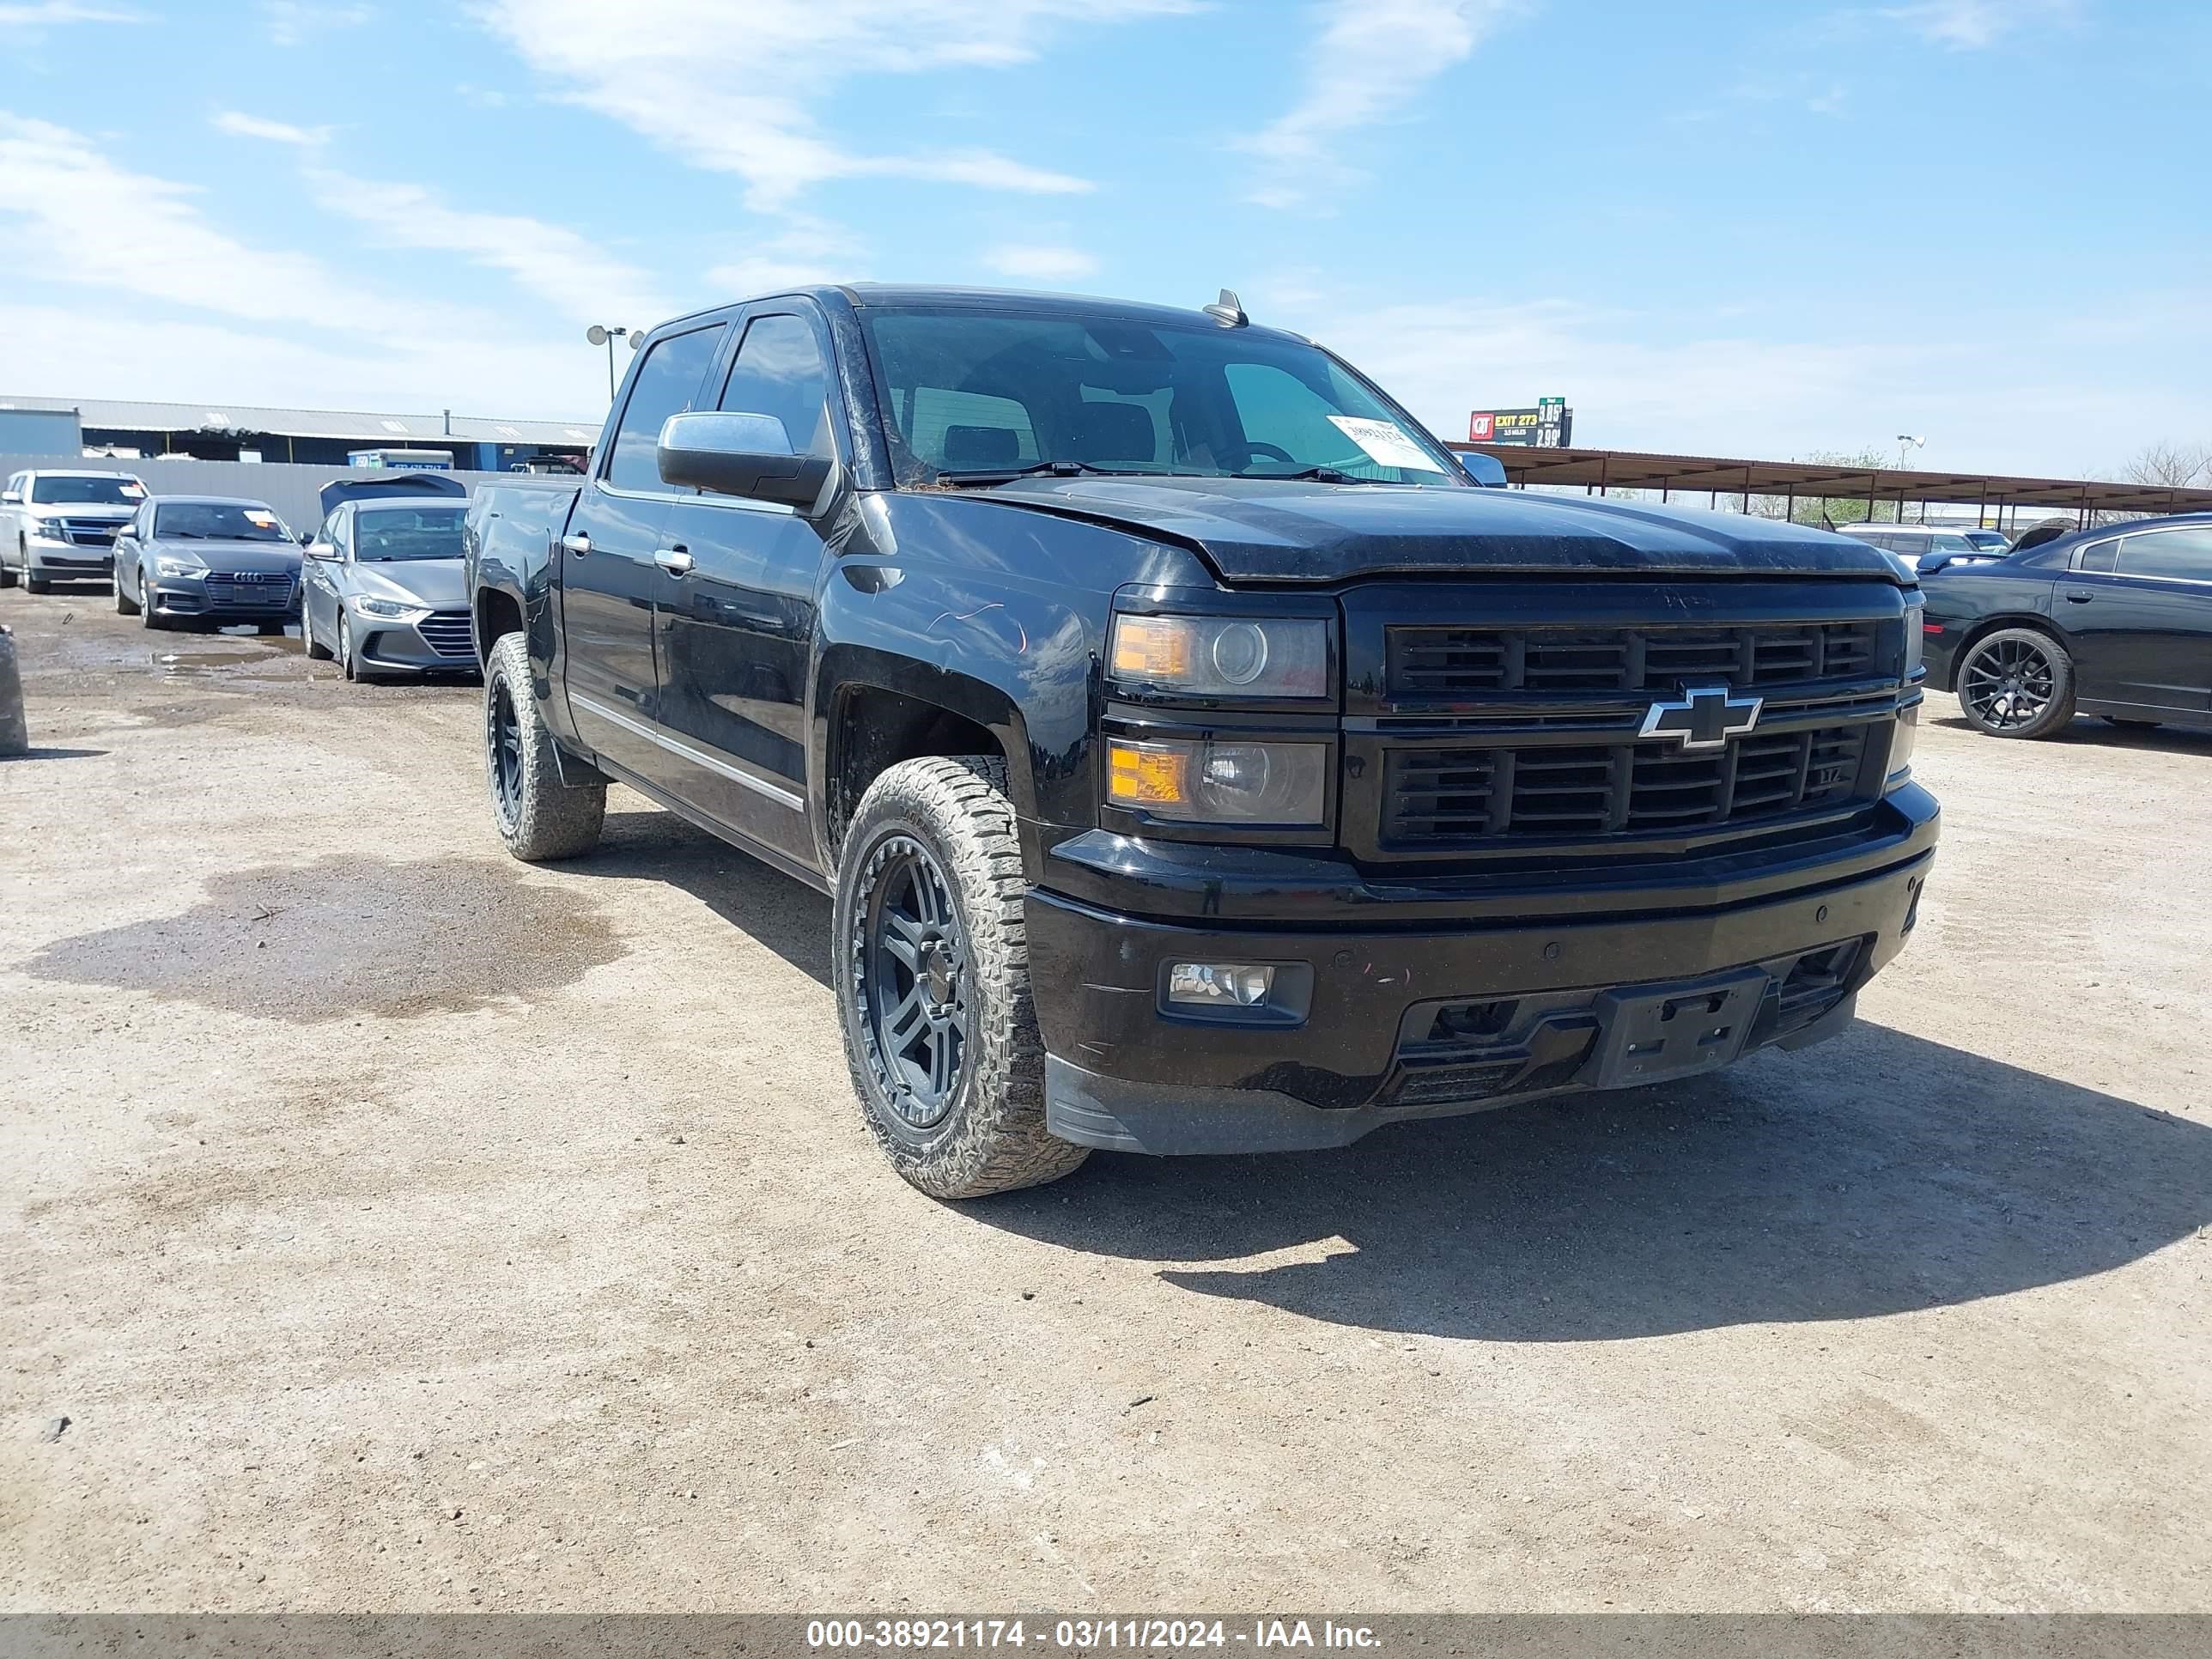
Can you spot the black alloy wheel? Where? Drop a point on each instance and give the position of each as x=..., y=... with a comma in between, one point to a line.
x=914, y=975
x=504, y=750
x=2017, y=684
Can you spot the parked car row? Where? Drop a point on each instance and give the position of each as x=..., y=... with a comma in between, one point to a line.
x=377, y=586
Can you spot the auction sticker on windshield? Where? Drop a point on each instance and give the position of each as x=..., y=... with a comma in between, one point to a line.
x=1386, y=444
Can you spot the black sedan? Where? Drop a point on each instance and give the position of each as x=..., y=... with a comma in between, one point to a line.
x=2116, y=621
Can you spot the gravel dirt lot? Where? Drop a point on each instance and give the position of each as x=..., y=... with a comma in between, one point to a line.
x=398, y=1227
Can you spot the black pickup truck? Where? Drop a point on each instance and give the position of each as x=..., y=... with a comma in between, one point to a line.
x=1199, y=757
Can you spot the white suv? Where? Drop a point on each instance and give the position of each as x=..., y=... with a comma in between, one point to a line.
x=60, y=526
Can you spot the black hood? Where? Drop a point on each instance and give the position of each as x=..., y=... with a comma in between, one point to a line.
x=1251, y=530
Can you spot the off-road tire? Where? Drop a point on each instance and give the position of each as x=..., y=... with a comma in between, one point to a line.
x=548, y=818
x=992, y=1139
x=314, y=649
x=124, y=604
x=2056, y=714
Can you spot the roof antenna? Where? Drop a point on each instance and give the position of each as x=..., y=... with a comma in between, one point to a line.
x=1228, y=311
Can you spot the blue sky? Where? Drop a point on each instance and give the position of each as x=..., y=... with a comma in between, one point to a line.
x=1713, y=226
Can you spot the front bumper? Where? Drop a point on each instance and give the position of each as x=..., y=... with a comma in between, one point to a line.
x=1411, y=1019
x=68, y=562
x=440, y=643
x=223, y=601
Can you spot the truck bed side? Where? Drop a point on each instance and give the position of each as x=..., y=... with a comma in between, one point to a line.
x=509, y=551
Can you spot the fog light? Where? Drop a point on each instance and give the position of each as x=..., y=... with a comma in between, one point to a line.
x=1218, y=984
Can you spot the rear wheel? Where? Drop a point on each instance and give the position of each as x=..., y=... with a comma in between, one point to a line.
x=2017, y=683
x=932, y=983
x=538, y=815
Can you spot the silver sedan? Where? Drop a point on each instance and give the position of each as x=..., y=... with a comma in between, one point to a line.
x=383, y=589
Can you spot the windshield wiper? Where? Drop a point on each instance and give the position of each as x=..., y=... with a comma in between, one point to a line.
x=1314, y=474
x=984, y=475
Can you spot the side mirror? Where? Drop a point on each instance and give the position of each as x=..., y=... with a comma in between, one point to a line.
x=11, y=498
x=747, y=455
x=1486, y=470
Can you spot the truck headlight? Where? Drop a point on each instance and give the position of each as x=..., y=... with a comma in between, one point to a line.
x=179, y=564
x=1221, y=656
x=389, y=610
x=1283, y=784
x=1900, y=745
x=49, y=530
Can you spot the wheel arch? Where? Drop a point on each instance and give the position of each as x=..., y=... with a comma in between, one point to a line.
x=873, y=710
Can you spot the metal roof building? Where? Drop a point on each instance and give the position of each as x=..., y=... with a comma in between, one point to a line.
x=1997, y=494
x=218, y=432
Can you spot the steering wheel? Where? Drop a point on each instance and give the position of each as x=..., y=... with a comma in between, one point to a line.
x=1273, y=451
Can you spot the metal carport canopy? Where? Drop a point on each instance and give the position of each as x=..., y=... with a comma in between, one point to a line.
x=1624, y=468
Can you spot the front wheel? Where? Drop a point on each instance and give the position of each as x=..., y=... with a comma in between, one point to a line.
x=315, y=649
x=2017, y=683
x=931, y=975
x=538, y=815
x=150, y=605
x=124, y=604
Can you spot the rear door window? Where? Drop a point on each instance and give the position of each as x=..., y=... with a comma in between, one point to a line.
x=2099, y=557
x=2184, y=554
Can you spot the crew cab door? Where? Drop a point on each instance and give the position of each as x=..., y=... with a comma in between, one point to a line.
x=2139, y=608
x=608, y=576
x=734, y=606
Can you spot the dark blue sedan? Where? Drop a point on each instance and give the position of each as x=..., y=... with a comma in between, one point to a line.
x=2116, y=621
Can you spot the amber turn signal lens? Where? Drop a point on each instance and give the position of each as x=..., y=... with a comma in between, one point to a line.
x=1151, y=648
x=1143, y=774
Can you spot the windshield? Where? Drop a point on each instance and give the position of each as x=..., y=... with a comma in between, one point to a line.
x=1988, y=541
x=106, y=490
x=969, y=392
x=218, y=521
x=392, y=535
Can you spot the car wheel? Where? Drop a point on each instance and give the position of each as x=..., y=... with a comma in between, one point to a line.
x=150, y=604
x=2126, y=724
x=539, y=814
x=32, y=581
x=2017, y=683
x=346, y=663
x=932, y=968
x=315, y=649
x=124, y=604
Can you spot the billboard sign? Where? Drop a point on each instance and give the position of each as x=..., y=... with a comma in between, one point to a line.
x=1549, y=425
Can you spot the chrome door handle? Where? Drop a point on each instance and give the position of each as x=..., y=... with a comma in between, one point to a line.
x=675, y=560
x=579, y=544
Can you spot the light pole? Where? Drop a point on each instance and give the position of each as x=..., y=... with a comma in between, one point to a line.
x=607, y=337
x=1906, y=441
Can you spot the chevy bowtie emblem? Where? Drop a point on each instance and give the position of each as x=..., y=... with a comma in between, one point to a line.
x=1706, y=717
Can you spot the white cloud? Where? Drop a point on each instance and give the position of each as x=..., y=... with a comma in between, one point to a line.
x=99, y=225
x=1642, y=382
x=1368, y=60
x=735, y=87
x=1040, y=264
x=565, y=268
x=806, y=251
x=276, y=132
x=39, y=13
x=1970, y=25
x=294, y=23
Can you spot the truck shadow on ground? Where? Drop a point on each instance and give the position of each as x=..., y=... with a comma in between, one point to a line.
x=1879, y=1174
